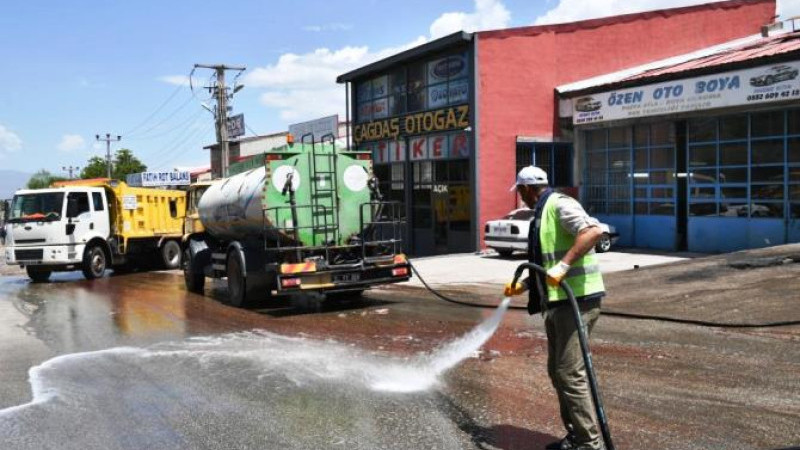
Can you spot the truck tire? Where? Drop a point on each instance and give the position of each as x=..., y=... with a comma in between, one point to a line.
x=171, y=255
x=237, y=282
x=95, y=262
x=195, y=280
x=37, y=274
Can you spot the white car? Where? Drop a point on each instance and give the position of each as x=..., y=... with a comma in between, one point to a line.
x=511, y=233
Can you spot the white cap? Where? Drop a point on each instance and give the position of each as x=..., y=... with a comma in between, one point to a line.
x=531, y=175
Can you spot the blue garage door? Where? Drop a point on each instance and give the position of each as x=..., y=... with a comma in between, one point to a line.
x=629, y=182
x=744, y=185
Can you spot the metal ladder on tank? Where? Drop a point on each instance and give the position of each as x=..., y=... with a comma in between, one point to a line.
x=324, y=193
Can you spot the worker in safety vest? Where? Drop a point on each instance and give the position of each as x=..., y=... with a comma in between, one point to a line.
x=561, y=239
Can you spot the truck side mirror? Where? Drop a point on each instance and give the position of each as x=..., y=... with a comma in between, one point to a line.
x=70, y=229
x=4, y=211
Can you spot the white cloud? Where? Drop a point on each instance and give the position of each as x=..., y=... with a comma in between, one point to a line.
x=328, y=27
x=489, y=14
x=572, y=10
x=303, y=86
x=71, y=142
x=180, y=80
x=788, y=8
x=9, y=141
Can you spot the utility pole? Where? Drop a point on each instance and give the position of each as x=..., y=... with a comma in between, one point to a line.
x=108, y=140
x=221, y=92
x=70, y=169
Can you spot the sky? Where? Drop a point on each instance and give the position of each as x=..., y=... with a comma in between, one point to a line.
x=76, y=69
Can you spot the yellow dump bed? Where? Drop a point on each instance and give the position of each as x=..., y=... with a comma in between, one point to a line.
x=140, y=212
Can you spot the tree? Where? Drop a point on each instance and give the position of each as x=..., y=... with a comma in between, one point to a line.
x=94, y=168
x=43, y=179
x=124, y=163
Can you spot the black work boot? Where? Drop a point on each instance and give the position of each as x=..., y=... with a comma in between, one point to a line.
x=564, y=444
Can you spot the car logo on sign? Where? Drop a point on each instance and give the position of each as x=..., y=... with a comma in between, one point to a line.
x=587, y=104
x=449, y=67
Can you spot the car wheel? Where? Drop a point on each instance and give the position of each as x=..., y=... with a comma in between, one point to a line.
x=604, y=244
x=505, y=253
x=37, y=274
x=94, y=262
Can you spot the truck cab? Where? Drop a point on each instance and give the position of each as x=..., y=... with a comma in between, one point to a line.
x=59, y=229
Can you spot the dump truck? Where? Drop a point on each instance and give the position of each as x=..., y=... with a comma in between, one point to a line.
x=93, y=225
x=305, y=218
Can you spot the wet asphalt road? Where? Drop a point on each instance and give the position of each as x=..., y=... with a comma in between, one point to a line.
x=134, y=361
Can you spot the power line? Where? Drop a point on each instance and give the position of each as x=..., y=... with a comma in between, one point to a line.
x=169, y=116
x=171, y=96
x=162, y=133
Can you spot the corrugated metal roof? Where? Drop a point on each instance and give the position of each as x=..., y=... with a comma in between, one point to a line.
x=735, y=52
x=766, y=47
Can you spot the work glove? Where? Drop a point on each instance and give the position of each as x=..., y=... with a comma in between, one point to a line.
x=557, y=273
x=517, y=289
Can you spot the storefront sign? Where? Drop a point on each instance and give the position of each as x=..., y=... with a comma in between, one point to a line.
x=765, y=84
x=421, y=148
x=452, y=118
x=165, y=178
x=236, y=126
x=448, y=93
x=451, y=67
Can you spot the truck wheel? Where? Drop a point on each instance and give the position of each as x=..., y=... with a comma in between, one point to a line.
x=194, y=280
x=38, y=275
x=604, y=244
x=237, y=283
x=94, y=262
x=171, y=255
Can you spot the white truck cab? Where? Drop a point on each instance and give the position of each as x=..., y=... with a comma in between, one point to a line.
x=59, y=229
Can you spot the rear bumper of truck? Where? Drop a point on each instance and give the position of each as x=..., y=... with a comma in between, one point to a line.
x=310, y=277
x=57, y=257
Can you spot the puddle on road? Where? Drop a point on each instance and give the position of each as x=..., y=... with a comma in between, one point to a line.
x=252, y=389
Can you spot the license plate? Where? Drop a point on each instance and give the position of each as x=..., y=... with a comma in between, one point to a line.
x=501, y=230
x=346, y=277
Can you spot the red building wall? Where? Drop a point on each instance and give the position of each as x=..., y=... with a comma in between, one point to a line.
x=518, y=70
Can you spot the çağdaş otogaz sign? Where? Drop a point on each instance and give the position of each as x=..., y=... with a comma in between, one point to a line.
x=452, y=118
x=764, y=84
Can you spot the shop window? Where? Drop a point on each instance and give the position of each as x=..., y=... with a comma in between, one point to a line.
x=553, y=158
x=733, y=154
x=702, y=129
x=703, y=156
x=662, y=134
x=793, y=121
x=732, y=175
x=619, y=137
x=732, y=128
x=766, y=124
x=767, y=152
x=793, y=150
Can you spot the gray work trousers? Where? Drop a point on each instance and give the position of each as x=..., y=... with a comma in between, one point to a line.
x=568, y=373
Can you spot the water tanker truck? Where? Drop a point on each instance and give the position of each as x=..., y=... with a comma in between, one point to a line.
x=94, y=225
x=305, y=218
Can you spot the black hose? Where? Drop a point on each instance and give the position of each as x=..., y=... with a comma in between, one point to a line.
x=612, y=313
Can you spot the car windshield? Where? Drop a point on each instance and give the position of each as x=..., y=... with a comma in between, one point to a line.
x=36, y=207
x=524, y=214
